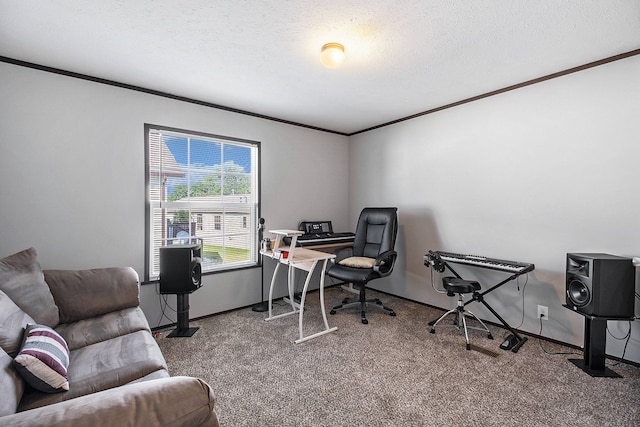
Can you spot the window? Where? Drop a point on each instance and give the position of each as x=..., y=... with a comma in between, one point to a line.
x=201, y=189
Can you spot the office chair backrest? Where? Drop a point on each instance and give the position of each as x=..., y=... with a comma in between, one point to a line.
x=376, y=232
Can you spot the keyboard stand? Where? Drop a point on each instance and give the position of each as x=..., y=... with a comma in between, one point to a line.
x=514, y=341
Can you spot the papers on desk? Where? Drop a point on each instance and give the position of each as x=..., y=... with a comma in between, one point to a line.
x=280, y=254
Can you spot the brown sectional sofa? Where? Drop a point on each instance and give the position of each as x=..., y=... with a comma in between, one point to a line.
x=116, y=372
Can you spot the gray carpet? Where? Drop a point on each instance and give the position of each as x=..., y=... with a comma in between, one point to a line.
x=391, y=372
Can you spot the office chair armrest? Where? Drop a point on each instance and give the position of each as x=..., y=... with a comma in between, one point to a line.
x=389, y=258
x=339, y=253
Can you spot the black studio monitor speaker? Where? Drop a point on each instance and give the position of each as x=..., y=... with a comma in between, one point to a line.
x=180, y=269
x=600, y=285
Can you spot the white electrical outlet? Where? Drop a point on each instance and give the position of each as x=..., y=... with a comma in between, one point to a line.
x=543, y=312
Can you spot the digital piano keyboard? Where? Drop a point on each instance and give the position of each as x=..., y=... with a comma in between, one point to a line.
x=481, y=261
x=325, y=238
x=321, y=233
x=440, y=261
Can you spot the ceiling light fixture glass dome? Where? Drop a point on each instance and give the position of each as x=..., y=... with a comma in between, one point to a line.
x=332, y=54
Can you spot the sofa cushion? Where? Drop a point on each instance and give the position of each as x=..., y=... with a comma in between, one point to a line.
x=104, y=365
x=12, y=323
x=11, y=385
x=43, y=359
x=82, y=294
x=101, y=328
x=155, y=375
x=175, y=402
x=23, y=281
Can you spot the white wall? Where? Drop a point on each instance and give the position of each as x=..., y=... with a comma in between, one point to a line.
x=72, y=177
x=528, y=175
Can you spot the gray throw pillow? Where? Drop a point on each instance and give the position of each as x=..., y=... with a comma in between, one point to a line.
x=22, y=280
x=12, y=323
x=11, y=386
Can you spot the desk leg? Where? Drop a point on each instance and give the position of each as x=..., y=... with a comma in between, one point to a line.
x=324, y=314
x=291, y=287
x=273, y=282
x=303, y=297
x=291, y=280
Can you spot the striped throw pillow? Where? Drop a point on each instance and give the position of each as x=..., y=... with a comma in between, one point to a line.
x=43, y=359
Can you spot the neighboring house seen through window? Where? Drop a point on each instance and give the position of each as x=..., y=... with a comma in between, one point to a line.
x=201, y=189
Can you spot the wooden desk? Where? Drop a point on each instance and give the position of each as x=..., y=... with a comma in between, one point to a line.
x=301, y=259
x=330, y=248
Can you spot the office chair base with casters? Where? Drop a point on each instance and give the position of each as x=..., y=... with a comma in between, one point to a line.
x=454, y=285
x=364, y=303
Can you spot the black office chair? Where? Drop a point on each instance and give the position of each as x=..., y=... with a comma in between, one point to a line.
x=371, y=256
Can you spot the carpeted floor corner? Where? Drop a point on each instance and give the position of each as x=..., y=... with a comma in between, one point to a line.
x=391, y=372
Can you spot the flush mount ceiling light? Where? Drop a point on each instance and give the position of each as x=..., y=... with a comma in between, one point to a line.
x=332, y=55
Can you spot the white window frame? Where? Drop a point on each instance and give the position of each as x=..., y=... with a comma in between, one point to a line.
x=160, y=164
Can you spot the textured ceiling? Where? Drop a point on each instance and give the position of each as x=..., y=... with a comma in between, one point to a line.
x=403, y=57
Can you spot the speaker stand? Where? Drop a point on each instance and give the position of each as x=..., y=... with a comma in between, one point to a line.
x=596, y=373
x=595, y=341
x=183, y=329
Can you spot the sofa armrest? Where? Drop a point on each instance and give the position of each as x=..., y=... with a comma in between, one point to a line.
x=175, y=401
x=80, y=294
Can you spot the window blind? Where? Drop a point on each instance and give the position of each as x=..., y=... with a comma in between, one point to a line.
x=201, y=188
